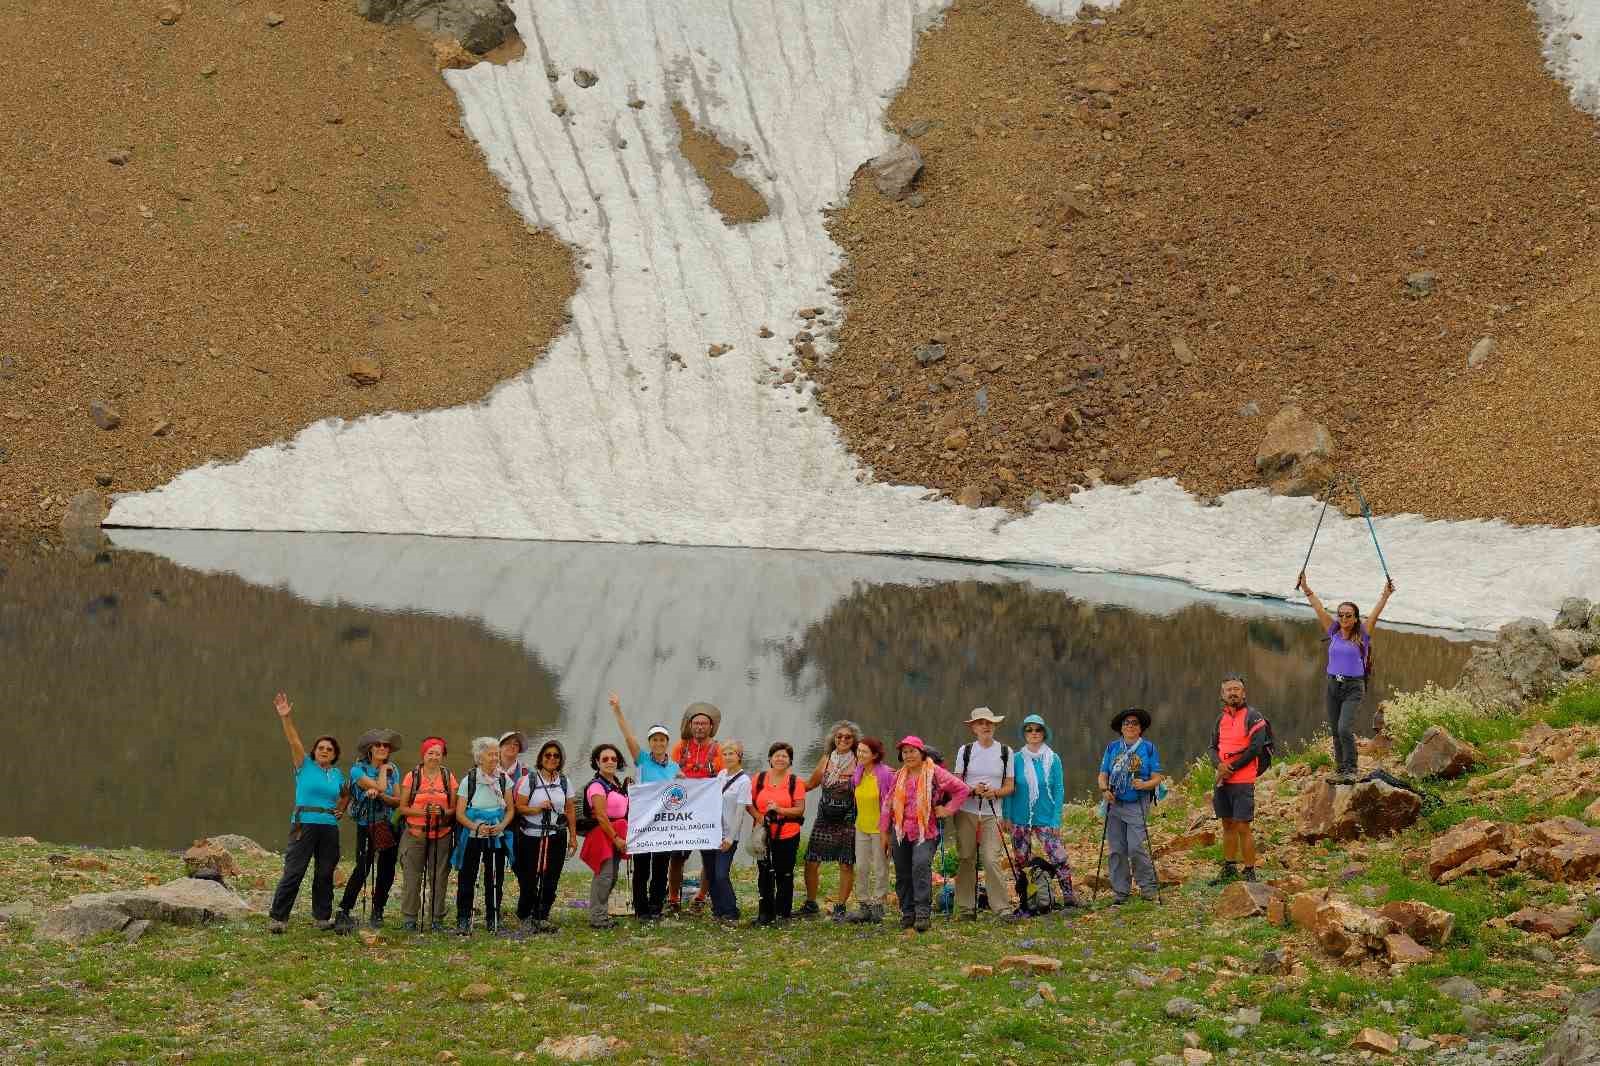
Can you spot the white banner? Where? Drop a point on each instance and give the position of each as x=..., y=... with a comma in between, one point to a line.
x=684, y=814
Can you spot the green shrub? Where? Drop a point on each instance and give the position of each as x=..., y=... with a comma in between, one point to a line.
x=1407, y=715
x=1578, y=703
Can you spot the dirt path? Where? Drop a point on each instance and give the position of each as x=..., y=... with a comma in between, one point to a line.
x=208, y=221
x=1138, y=240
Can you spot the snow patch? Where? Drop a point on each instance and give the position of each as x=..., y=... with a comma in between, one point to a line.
x=611, y=438
x=1572, y=47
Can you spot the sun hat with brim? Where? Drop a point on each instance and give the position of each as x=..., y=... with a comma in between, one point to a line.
x=710, y=710
x=522, y=741
x=377, y=736
x=984, y=714
x=1138, y=712
x=653, y=730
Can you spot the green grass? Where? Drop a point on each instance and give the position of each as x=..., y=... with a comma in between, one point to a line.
x=1579, y=703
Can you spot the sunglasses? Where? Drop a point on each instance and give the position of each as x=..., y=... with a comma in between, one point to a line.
x=383, y=744
x=608, y=758
x=1033, y=729
x=557, y=755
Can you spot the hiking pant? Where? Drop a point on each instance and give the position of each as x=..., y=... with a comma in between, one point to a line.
x=494, y=877
x=605, y=879
x=775, y=877
x=368, y=857
x=322, y=842
x=717, y=868
x=913, y=876
x=872, y=868
x=650, y=883
x=422, y=858
x=979, y=835
x=1126, y=840
x=1054, y=851
x=1344, y=696
x=536, y=889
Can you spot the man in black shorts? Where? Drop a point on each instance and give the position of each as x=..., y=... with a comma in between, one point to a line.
x=1237, y=744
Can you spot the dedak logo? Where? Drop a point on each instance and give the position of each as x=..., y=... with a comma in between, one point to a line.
x=674, y=799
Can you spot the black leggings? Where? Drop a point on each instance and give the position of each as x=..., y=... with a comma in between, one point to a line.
x=312, y=840
x=536, y=891
x=775, y=878
x=1344, y=697
x=368, y=857
x=467, y=879
x=650, y=883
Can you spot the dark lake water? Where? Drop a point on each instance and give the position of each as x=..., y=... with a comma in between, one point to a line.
x=146, y=675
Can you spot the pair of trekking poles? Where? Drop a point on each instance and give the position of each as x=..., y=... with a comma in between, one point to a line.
x=1149, y=853
x=1366, y=512
x=427, y=889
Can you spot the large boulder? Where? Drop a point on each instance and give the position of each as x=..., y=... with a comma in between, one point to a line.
x=1423, y=923
x=236, y=843
x=897, y=170
x=1463, y=841
x=1244, y=899
x=186, y=901
x=1574, y=613
x=1564, y=850
x=1573, y=646
x=1343, y=812
x=1438, y=754
x=1342, y=926
x=1577, y=1041
x=206, y=859
x=1295, y=457
x=1521, y=665
x=1555, y=923
x=480, y=25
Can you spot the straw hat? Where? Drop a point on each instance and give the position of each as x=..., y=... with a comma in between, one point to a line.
x=984, y=714
x=710, y=710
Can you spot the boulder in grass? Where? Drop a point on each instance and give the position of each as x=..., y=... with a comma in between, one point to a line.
x=1341, y=926
x=1376, y=1041
x=1438, y=754
x=206, y=859
x=1555, y=924
x=1573, y=613
x=1465, y=840
x=1031, y=963
x=1244, y=899
x=1520, y=666
x=1401, y=949
x=186, y=901
x=1564, y=850
x=1488, y=863
x=1344, y=812
x=1577, y=1041
x=1423, y=923
x=580, y=1048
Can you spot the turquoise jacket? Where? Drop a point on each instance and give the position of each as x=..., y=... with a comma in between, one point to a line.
x=1048, y=779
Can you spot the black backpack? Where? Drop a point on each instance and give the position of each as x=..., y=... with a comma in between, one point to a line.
x=964, y=757
x=587, y=822
x=559, y=818
x=1268, y=749
x=761, y=783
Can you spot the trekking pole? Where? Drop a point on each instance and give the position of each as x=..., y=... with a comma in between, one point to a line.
x=1149, y=852
x=425, y=886
x=1005, y=849
x=1099, y=863
x=1366, y=512
x=1327, y=497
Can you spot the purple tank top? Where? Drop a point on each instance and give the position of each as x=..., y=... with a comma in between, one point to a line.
x=1344, y=658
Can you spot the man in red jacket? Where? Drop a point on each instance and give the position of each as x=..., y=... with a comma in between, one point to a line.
x=1237, y=744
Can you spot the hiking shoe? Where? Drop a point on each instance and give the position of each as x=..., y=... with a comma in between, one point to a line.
x=862, y=916
x=1249, y=873
x=907, y=921
x=877, y=913
x=922, y=924
x=409, y=925
x=324, y=924
x=376, y=921
x=343, y=923
x=276, y=927
x=602, y=923
x=840, y=912
x=463, y=927
x=1227, y=874
x=674, y=908
x=437, y=926
x=697, y=906
x=761, y=921
x=809, y=909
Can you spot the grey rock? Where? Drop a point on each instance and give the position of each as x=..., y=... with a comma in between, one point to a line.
x=1249, y=1016
x=1460, y=989
x=1421, y=283
x=1594, y=619
x=924, y=1007
x=1521, y=665
x=83, y=515
x=1475, y=1020
x=77, y=922
x=1295, y=456
x=584, y=79
x=1591, y=943
x=1576, y=1042
x=1182, y=352
x=981, y=400
x=105, y=416
x=930, y=353
x=1540, y=953
x=22, y=909
x=1237, y=1031
x=1250, y=409
x=897, y=170
x=1439, y=754
x=1574, y=613
x=480, y=25
x=1140, y=979
x=1481, y=352
x=1034, y=1001
x=1572, y=646
x=135, y=930
x=1178, y=1007
x=236, y=842
x=186, y=901
x=918, y=128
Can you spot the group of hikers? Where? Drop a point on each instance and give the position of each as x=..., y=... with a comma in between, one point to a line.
x=996, y=800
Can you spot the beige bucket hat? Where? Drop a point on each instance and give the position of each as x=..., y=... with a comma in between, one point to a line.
x=984, y=714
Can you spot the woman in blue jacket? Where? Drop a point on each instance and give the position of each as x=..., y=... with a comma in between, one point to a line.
x=1033, y=813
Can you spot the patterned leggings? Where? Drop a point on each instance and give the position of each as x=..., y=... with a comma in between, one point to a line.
x=1049, y=841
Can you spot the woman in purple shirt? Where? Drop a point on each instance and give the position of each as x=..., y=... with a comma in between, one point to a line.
x=1349, y=650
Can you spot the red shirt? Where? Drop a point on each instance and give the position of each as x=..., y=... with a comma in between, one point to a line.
x=1232, y=739
x=698, y=760
x=777, y=795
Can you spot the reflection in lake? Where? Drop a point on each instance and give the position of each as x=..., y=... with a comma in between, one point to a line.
x=150, y=673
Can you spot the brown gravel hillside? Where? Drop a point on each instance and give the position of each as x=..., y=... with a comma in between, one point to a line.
x=207, y=221
x=1137, y=240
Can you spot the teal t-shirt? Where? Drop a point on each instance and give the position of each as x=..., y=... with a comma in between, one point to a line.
x=366, y=810
x=650, y=770
x=316, y=787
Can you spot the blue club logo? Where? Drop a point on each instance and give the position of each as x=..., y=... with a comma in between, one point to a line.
x=674, y=799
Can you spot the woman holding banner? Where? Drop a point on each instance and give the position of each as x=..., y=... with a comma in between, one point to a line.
x=778, y=806
x=649, y=868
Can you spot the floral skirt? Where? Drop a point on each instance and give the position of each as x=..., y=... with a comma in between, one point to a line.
x=832, y=842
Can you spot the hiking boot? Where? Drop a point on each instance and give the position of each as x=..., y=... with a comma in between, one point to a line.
x=376, y=921
x=602, y=923
x=324, y=924
x=907, y=921
x=922, y=924
x=862, y=915
x=463, y=927
x=343, y=923
x=1343, y=778
x=761, y=921
x=437, y=926
x=1249, y=873
x=528, y=926
x=277, y=927
x=877, y=913
x=840, y=912
x=409, y=925
x=1017, y=915
x=674, y=908
x=1228, y=874
x=545, y=925
x=808, y=909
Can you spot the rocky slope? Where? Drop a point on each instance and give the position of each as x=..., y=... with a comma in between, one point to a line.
x=1137, y=237
x=228, y=222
